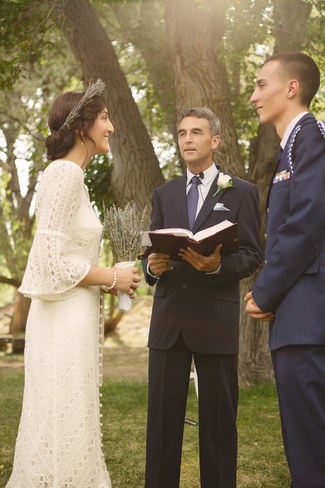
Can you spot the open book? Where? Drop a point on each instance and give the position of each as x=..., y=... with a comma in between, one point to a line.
x=170, y=241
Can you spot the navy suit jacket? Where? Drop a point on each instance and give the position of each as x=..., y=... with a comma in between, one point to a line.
x=292, y=281
x=205, y=307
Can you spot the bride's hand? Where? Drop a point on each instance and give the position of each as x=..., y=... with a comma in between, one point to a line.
x=127, y=279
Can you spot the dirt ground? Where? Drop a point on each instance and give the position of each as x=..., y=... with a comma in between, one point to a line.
x=125, y=350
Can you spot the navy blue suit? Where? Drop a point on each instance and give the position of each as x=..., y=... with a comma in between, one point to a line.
x=292, y=285
x=195, y=314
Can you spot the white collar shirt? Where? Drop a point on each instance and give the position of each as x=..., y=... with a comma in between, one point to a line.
x=289, y=129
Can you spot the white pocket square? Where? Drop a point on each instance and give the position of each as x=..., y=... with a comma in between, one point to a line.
x=220, y=206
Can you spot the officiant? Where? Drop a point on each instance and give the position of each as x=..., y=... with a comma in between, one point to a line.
x=196, y=310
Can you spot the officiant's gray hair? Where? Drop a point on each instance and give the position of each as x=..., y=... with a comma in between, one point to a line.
x=202, y=113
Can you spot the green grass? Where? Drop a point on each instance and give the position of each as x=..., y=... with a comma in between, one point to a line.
x=261, y=461
x=261, y=458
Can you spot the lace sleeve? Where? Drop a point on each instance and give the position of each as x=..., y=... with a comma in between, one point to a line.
x=54, y=267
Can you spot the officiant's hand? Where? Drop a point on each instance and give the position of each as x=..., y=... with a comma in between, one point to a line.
x=159, y=263
x=206, y=264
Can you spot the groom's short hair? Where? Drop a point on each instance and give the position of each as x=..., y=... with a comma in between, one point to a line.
x=303, y=68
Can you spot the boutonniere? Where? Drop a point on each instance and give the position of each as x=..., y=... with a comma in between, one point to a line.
x=224, y=181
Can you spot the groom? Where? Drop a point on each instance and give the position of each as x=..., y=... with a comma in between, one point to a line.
x=196, y=311
x=290, y=289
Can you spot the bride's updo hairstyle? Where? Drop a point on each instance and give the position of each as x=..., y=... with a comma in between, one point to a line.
x=63, y=134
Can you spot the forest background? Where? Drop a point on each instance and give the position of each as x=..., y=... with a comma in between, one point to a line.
x=156, y=57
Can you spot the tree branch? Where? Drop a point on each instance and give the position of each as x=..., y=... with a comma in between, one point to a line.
x=10, y=281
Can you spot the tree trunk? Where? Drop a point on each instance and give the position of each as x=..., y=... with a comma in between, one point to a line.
x=19, y=318
x=200, y=75
x=254, y=358
x=135, y=167
x=290, y=20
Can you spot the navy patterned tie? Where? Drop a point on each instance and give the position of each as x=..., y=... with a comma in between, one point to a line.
x=192, y=200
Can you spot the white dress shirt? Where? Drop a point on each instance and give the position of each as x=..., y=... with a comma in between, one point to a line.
x=289, y=128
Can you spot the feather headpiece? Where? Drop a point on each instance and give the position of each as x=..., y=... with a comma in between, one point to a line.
x=93, y=90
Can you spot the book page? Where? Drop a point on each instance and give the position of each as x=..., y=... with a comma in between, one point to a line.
x=210, y=231
x=177, y=231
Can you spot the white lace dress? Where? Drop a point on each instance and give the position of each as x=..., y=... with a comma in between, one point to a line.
x=59, y=439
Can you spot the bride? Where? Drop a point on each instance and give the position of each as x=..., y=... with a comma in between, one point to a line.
x=59, y=438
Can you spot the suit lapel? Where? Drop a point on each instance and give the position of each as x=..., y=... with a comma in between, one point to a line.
x=179, y=199
x=278, y=159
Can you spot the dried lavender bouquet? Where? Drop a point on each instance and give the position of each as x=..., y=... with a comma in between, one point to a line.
x=124, y=230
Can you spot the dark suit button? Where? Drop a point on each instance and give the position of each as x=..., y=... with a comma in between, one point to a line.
x=265, y=235
x=267, y=210
x=184, y=285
